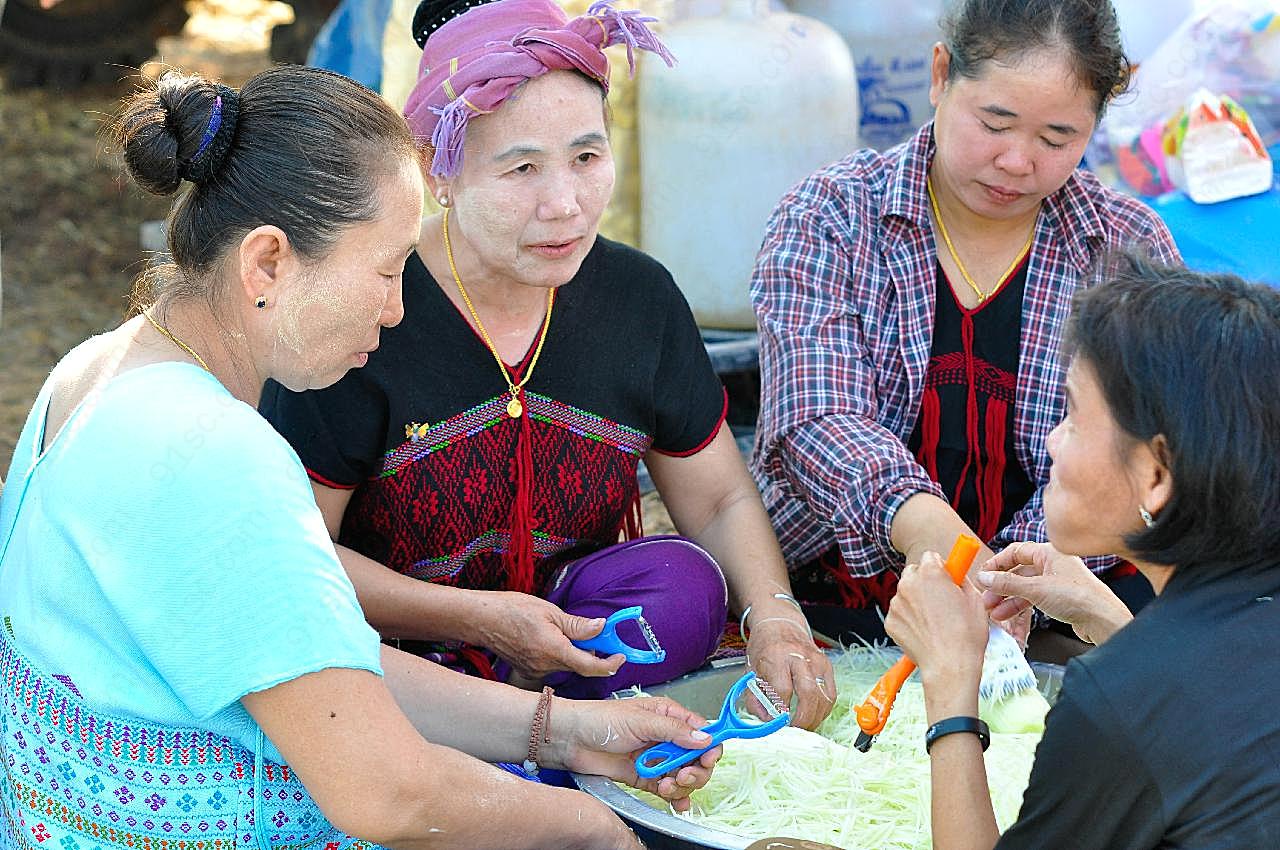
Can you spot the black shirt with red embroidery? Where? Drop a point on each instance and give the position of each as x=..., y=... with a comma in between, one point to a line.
x=422, y=435
x=964, y=434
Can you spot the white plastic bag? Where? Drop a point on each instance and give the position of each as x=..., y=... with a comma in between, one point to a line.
x=1233, y=48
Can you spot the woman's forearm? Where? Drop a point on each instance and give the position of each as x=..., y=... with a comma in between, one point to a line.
x=459, y=802
x=961, y=812
x=713, y=500
x=402, y=607
x=434, y=697
x=925, y=523
x=741, y=540
x=376, y=778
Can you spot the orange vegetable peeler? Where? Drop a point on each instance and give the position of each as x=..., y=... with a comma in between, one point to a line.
x=873, y=713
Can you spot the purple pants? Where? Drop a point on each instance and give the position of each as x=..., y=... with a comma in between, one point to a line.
x=684, y=597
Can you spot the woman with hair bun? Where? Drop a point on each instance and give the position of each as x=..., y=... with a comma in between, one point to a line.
x=184, y=662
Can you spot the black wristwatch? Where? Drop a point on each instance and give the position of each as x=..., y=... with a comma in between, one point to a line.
x=957, y=724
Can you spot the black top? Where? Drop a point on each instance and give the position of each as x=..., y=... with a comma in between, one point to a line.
x=1168, y=735
x=964, y=436
x=422, y=434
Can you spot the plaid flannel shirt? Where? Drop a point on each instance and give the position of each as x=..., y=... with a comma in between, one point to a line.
x=844, y=293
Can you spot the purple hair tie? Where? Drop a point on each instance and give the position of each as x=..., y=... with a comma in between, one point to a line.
x=218, y=135
x=215, y=122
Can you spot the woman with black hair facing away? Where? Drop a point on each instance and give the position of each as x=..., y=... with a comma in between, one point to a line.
x=184, y=662
x=1166, y=734
x=911, y=306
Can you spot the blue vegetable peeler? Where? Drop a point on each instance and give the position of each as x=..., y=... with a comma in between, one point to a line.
x=664, y=757
x=609, y=643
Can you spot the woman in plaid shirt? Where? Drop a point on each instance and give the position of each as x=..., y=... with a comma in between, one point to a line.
x=911, y=305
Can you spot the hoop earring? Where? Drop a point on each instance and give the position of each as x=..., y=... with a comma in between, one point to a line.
x=261, y=302
x=1147, y=519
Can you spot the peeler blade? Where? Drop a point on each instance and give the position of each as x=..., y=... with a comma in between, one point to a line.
x=650, y=638
x=767, y=697
x=610, y=643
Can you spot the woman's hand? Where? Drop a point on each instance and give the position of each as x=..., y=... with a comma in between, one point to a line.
x=533, y=636
x=943, y=628
x=1018, y=625
x=604, y=737
x=781, y=651
x=1036, y=574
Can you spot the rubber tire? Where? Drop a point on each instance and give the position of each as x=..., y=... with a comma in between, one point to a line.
x=82, y=41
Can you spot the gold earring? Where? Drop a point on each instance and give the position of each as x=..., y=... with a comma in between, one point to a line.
x=443, y=199
x=261, y=302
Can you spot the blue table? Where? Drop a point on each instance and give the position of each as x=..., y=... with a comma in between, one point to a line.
x=1241, y=236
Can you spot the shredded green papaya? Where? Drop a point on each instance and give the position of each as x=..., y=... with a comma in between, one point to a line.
x=817, y=787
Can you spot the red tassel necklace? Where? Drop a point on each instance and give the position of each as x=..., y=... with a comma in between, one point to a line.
x=520, y=551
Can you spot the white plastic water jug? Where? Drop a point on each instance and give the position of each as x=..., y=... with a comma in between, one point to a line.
x=757, y=102
x=892, y=45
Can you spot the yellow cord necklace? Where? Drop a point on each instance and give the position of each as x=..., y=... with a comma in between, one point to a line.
x=169, y=335
x=515, y=408
x=942, y=228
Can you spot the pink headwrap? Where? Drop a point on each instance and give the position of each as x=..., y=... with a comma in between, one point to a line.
x=471, y=64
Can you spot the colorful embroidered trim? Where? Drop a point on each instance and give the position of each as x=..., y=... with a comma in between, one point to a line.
x=74, y=779
x=624, y=438
x=423, y=440
x=493, y=540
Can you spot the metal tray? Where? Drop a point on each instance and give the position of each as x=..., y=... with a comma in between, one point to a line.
x=703, y=691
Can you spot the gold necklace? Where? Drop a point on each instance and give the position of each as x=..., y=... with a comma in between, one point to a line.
x=515, y=409
x=942, y=228
x=167, y=333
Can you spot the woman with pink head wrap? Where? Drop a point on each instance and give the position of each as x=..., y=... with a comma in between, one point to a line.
x=480, y=471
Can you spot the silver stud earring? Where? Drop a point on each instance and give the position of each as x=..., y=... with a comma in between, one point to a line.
x=261, y=302
x=1146, y=516
x=443, y=199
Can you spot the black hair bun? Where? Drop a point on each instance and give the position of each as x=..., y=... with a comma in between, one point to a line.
x=433, y=14
x=216, y=140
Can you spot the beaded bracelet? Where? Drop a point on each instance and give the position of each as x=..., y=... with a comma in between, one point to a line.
x=787, y=597
x=540, y=730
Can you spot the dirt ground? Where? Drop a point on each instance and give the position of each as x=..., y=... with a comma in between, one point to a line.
x=69, y=219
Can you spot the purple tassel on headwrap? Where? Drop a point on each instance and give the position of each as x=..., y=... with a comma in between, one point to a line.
x=629, y=27
x=448, y=136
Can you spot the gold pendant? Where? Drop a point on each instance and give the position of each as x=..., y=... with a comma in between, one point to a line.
x=514, y=407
